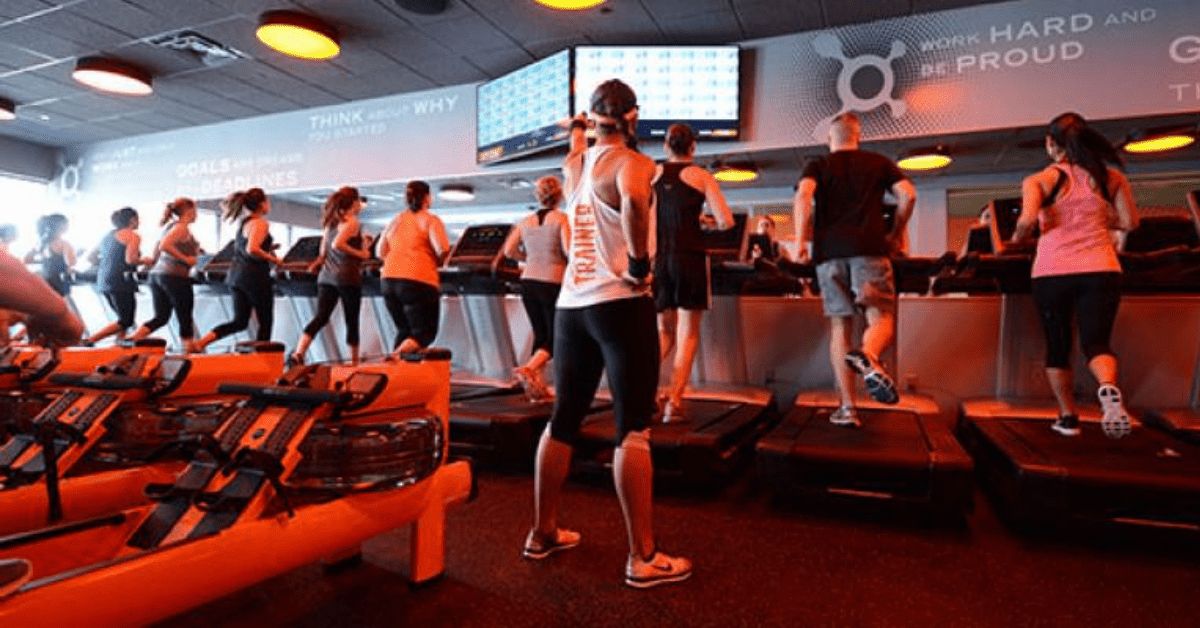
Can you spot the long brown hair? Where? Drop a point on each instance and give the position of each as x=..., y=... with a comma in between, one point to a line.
x=176, y=208
x=1085, y=147
x=337, y=205
x=249, y=200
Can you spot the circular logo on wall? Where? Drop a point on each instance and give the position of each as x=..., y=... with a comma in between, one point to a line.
x=829, y=46
x=68, y=179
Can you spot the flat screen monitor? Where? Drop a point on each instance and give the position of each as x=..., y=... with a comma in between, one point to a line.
x=697, y=85
x=518, y=113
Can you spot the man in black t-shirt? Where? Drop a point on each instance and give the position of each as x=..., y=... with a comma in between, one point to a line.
x=839, y=209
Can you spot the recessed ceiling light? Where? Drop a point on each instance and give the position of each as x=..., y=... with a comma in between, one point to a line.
x=113, y=76
x=456, y=192
x=1160, y=139
x=298, y=35
x=734, y=172
x=926, y=158
x=570, y=5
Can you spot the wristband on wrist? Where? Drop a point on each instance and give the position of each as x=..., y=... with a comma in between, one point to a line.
x=639, y=267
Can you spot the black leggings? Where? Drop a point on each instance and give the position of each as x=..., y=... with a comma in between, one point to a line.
x=125, y=305
x=262, y=302
x=171, y=293
x=1093, y=298
x=415, y=308
x=621, y=336
x=327, y=299
x=540, y=298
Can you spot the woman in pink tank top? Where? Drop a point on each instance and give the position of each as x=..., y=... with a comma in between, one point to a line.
x=1076, y=201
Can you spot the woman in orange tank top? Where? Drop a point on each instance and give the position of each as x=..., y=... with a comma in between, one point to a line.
x=413, y=247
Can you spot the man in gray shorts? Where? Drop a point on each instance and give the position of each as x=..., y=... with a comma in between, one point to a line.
x=850, y=245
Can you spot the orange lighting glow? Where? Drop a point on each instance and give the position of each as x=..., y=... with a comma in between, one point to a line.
x=298, y=35
x=735, y=175
x=1160, y=143
x=925, y=162
x=570, y=5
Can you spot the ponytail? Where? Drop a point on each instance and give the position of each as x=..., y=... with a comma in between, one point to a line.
x=249, y=200
x=1086, y=148
x=175, y=209
x=415, y=195
x=337, y=205
x=617, y=102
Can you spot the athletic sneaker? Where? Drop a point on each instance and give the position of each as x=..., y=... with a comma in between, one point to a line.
x=674, y=413
x=538, y=547
x=1067, y=425
x=660, y=569
x=845, y=417
x=1116, y=418
x=878, y=383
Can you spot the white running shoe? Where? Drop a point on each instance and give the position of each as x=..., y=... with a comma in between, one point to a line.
x=1116, y=422
x=845, y=417
x=537, y=547
x=660, y=569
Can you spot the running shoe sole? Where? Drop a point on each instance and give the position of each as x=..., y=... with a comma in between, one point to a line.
x=843, y=421
x=1065, y=431
x=538, y=554
x=879, y=385
x=1116, y=422
x=649, y=583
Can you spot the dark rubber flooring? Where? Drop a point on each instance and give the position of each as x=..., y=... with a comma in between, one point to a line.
x=759, y=562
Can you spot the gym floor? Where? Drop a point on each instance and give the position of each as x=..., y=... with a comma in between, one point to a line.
x=759, y=561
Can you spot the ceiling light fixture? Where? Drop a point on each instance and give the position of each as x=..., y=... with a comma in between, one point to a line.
x=456, y=192
x=734, y=172
x=8, y=109
x=570, y=5
x=298, y=35
x=926, y=158
x=424, y=7
x=113, y=76
x=1160, y=139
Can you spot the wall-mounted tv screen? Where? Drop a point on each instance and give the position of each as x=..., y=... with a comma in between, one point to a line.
x=698, y=85
x=519, y=112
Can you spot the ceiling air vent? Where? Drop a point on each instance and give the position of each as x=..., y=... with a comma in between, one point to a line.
x=211, y=53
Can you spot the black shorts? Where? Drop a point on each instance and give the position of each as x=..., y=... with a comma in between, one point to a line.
x=125, y=305
x=618, y=336
x=681, y=281
x=415, y=308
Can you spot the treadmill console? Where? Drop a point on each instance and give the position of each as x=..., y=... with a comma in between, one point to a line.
x=1155, y=233
x=1005, y=212
x=304, y=251
x=479, y=245
x=727, y=244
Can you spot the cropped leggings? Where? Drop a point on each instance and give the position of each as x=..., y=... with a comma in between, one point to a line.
x=618, y=336
x=1092, y=298
x=539, y=298
x=327, y=299
x=260, y=302
x=171, y=293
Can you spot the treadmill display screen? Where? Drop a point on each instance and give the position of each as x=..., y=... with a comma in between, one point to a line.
x=1005, y=212
x=305, y=249
x=480, y=241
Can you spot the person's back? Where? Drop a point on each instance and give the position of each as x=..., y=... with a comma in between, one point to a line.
x=167, y=263
x=411, y=254
x=112, y=273
x=339, y=267
x=246, y=270
x=848, y=220
x=679, y=206
x=1075, y=237
x=541, y=235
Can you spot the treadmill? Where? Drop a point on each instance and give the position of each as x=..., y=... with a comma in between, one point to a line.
x=725, y=414
x=903, y=453
x=491, y=420
x=1039, y=478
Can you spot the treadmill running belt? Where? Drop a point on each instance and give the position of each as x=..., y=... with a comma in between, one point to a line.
x=1038, y=476
x=895, y=455
x=501, y=429
x=709, y=445
x=1182, y=423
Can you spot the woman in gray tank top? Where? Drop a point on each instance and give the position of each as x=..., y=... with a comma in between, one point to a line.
x=541, y=240
x=170, y=277
x=344, y=248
